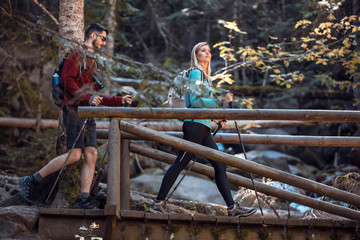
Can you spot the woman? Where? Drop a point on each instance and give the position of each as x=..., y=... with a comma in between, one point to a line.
x=199, y=131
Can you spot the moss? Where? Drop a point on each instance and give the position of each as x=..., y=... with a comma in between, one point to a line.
x=263, y=235
x=216, y=233
x=24, y=151
x=70, y=182
x=173, y=229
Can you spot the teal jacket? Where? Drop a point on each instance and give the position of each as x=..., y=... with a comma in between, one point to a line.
x=200, y=99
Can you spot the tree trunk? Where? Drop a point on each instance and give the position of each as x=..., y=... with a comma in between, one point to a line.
x=40, y=92
x=71, y=22
x=111, y=22
x=71, y=27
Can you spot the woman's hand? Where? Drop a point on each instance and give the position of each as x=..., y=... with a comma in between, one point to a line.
x=222, y=122
x=228, y=98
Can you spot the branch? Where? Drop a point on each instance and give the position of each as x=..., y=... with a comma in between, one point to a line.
x=46, y=11
x=21, y=92
x=7, y=55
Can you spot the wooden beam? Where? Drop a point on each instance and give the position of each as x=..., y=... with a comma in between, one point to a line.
x=125, y=175
x=265, y=139
x=243, y=164
x=113, y=176
x=245, y=182
x=229, y=114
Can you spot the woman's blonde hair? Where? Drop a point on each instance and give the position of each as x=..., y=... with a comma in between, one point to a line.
x=195, y=63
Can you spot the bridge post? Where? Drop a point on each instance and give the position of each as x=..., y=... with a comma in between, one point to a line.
x=125, y=175
x=112, y=207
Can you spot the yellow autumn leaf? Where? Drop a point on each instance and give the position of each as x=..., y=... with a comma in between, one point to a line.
x=277, y=71
x=288, y=85
x=220, y=44
x=233, y=26
x=286, y=63
x=259, y=63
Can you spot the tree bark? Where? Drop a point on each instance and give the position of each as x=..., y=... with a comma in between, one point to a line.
x=71, y=22
x=111, y=23
x=71, y=27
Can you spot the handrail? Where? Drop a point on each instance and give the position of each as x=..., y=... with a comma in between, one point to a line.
x=245, y=182
x=230, y=114
x=244, y=164
x=265, y=139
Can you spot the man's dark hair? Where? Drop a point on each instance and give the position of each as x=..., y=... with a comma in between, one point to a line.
x=95, y=27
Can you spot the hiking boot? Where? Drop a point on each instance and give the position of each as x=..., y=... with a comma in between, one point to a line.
x=85, y=203
x=237, y=211
x=29, y=188
x=159, y=207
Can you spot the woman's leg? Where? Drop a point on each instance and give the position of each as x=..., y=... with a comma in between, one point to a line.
x=221, y=179
x=193, y=132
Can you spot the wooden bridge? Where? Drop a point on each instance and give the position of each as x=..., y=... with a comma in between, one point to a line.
x=118, y=222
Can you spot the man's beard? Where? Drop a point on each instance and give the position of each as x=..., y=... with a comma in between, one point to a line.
x=95, y=46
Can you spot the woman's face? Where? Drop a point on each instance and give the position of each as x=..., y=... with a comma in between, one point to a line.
x=203, y=54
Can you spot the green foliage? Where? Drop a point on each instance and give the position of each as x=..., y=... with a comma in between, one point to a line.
x=28, y=151
x=326, y=43
x=70, y=184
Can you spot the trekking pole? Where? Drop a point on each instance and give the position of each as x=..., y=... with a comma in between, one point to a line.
x=251, y=176
x=187, y=170
x=99, y=173
x=67, y=158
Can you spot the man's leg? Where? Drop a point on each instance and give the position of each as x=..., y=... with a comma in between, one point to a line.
x=57, y=163
x=88, y=169
x=31, y=185
x=86, y=177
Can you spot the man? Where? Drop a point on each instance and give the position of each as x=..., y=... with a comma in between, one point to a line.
x=79, y=81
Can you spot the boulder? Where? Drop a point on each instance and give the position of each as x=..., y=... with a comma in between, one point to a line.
x=191, y=188
x=17, y=220
x=281, y=162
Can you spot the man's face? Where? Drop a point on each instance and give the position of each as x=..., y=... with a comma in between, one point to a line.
x=99, y=41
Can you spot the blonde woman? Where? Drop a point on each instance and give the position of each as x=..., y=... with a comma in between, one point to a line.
x=199, y=131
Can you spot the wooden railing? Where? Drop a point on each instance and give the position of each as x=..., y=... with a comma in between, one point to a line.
x=119, y=181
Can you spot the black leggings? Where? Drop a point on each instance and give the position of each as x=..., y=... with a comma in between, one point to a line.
x=197, y=133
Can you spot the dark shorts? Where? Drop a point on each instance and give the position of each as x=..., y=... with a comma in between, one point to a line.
x=73, y=125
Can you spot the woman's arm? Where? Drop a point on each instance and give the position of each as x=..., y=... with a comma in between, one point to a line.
x=196, y=99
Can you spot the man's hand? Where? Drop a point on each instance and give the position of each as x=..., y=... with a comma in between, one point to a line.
x=96, y=100
x=127, y=99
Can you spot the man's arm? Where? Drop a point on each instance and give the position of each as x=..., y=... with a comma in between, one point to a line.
x=71, y=74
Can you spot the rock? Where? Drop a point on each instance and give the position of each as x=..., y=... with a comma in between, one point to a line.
x=280, y=161
x=141, y=201
x=9, y=185
x=17, y=220
x=191, y=188
x=247, y=198
x=329, y=174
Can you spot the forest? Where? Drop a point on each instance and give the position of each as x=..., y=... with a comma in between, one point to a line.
x=272, y=54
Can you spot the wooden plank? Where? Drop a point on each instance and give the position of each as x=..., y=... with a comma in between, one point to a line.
x=128, y=214
x=256, y=168
x=180, y=217
x=125, y=175
x=113, y=177
x=242, y=181
x=204, y=218
x=156, y=216
x=221, y=113
x=227, y=220
x=112, y=210
x=133, y=225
